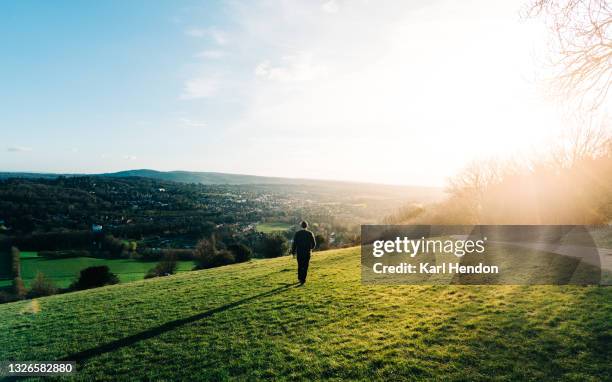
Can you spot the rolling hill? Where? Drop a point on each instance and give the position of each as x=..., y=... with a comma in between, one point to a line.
x=212, y=177
x=420, y=194
x=225, y=178
x=250, y=321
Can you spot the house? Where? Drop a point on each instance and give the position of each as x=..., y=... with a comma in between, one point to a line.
x=96, y=228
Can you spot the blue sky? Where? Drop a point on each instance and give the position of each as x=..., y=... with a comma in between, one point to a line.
x=395, y=92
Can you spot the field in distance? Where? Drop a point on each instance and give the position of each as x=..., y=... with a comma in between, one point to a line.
x=272, y=227
x=64, y=270
x=250, y=321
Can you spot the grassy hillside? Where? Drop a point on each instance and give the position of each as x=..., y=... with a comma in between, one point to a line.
x=251, y=321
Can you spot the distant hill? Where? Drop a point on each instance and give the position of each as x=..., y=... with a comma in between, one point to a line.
x=33, y=175
x=423, y=193
x=210, y=177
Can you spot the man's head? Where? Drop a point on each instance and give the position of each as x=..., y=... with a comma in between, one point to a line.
x=304, y=224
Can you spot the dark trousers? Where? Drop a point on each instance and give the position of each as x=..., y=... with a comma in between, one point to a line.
x=303, y=260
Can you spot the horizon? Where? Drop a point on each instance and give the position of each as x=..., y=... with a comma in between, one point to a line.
x=358, y=92
x=222, y=173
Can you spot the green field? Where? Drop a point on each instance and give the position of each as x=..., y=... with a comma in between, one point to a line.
x=250, y=321
x=63, y=271
x=272, y=227
x=28, y=254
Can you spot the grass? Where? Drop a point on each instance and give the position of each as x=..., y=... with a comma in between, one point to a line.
x=249, y=321
x=28, y=254
x=272, y=227
x=63, y=271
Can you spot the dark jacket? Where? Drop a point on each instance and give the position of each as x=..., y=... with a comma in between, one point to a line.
x=303, y=242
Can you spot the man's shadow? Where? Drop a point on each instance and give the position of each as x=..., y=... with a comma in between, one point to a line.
x=168, y=326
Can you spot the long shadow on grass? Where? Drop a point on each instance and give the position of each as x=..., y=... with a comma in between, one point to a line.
x=168, y=326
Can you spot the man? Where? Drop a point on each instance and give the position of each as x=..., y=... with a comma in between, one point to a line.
x=303, y=243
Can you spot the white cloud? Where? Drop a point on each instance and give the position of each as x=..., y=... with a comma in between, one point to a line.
x=188, y=123
x=195, y=32
x=218, y=36
x=200, y=87
x=212, y=54
x=375, y=84
x=129, y=157
x=299, y=67
x=18, y=149
x=330, y=6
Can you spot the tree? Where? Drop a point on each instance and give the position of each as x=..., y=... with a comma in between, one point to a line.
x=585, y=141
x=321, y=242
x=241, y=252
x=19, y=289
x=405, y=214
x=468, y=188
x=274, y=245
x=15, y=262
x=583, y=44
x=208, y=256
x=42, y=286
x=165, y=267
x=204, y=251
x=113, y=245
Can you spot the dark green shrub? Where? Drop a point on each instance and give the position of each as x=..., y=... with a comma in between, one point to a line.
x=274, y=246
x=321, y=242
x=207, y=256
x=93, y=277
x=221, y=258
x=114, y=246
x=241, y=252
x=6, y=297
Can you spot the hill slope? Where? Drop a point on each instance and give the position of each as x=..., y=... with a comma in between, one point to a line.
x=210, y=177
x=202, y=178
x=250, y=321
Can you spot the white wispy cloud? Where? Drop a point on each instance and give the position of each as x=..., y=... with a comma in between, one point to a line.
x=211, y=53
x=195, y=32
x=298, y=67
x=387, y=75
x=330, y=6
x=200, y=87
x=218, y=36
x=188, y=123
x=129, y=157
x=18, y=149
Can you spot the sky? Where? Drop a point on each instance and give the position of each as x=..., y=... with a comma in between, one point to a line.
x=398, y=92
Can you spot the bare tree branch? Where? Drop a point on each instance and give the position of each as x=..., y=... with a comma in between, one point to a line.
x=582, y=31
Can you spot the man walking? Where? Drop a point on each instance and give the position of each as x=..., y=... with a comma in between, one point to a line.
x=303, y=243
